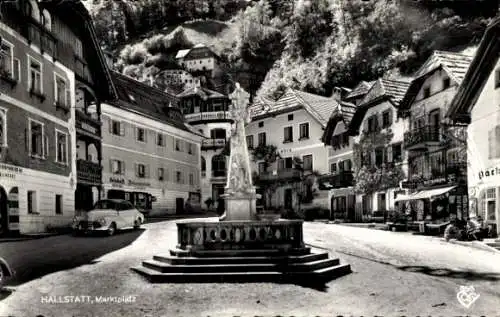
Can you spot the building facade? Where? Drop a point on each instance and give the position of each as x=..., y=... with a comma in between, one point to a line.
x=340, y=179
x=207, y=111
x=293, y=125
x=380, y=163
x=200, y=60
x=476, y=104
x=152, y=158
x=39, y=78
x=436, y=151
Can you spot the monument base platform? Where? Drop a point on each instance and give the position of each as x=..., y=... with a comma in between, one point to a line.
x=242, y=251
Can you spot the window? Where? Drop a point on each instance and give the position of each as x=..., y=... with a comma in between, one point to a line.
x=161, y=173
x=308, y=162
x=61, y=147
x=290, y=117
x=494, y=143
x=3, y=128
x=59, y=206
x=379, y=156
x=178, y=177
x=160, y=140
x=190, y=148
x=348, y=165
x=34, y=76
x=6, y=59
x=61, y=93
x=218, y=133
x=178, y=145
x=117, y=167
x=427, y=92
x=381, y=202
x=262, y=167
x=219, y=166
x=372, y=124
x=345, y=139
x=446, y=83
x=203, y=166
x=36, y=139
x=490, y=204
x=397, y=153
x=261, y=124
x=140, y=170
x=117, y=128
x=31, y=201
x=141, y=134
x=386, y=119
x=286, y=163
x=288, y=134
x=262, y=139
x=304, y=131
x=191, y=179
x=250, y=141
x=333, y=168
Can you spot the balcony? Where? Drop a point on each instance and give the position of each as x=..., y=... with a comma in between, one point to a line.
x=88, y=172
x=280, y=175
x=339, y=180
x=422, y=138
x=87, y=125
x=207, y=116
x=453, y=173
x=213, y=144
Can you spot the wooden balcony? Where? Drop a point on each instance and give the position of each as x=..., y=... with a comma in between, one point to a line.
x=288, y=174
x=208, y=144
x=453, y=173
x=89, y=172
x=88, y=126
x=208, y=116
x=422, y=138
x=339, y=180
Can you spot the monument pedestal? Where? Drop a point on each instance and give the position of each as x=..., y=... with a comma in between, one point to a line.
x=241, y=207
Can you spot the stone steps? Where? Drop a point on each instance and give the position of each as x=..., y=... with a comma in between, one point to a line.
x=237, y=252
x=254, y=267
x=321, y=275
x=240, y=260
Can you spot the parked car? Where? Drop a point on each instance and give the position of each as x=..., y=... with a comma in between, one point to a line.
x=108, y=215
x=5, y=272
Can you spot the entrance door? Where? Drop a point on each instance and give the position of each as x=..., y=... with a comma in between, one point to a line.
x=4, y=212
x=288, y=198
x=179, y=205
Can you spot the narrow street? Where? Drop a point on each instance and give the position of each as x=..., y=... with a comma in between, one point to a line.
x=393, y=274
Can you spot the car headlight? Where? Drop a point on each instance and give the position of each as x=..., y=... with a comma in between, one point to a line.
x=102, y=221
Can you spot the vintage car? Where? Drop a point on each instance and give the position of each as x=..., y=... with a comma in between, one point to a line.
x=108, y=215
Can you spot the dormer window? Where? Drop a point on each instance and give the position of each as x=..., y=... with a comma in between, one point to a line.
x=446, y=83
x=427, y=92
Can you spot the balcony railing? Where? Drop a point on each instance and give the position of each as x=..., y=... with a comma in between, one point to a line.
x=88, y=172
x=283, y=175
x=87, y=125
x=339, y=180
x=206, y=116
x=421, y=137
x=451, y=173
x=213, y=143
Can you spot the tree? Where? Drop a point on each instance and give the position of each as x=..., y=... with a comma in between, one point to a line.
x=268, y=154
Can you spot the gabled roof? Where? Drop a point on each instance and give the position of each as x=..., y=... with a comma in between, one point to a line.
x=383, y=90
x=361, y=89
x=343, y=112
x=477, y=75
x=202, y=92
x=318, y=106
x=182, y=53
x=454, y=64
x=141, y=98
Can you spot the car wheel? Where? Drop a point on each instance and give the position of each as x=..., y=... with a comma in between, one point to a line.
x=137, y=223
x=111, y=229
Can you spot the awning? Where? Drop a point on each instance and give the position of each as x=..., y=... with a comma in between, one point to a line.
x=424, y=194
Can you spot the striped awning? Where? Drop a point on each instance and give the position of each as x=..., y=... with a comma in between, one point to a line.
x=425, y=194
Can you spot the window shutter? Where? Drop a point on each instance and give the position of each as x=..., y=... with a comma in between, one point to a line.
x=136, y=169
x=16, y=72
x=146, y=171
x=490, y=143
x=389, y=154
x=349, y=165
x=122, y=167
x=27, y=140
x=122, y=128
x=110, y=125
x=68, y=98
x=390, y=117
x=46, y=147
x=111, y=166
x=497, y=141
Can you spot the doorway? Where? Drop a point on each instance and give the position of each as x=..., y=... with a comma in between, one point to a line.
x=4, y=212
x=179, y=206
x=288, y=198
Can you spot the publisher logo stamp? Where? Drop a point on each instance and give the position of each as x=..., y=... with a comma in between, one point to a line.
x=467, y=295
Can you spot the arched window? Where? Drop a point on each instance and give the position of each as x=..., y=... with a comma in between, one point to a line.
x=46, y=20
x=219, y=166
x=203, y=166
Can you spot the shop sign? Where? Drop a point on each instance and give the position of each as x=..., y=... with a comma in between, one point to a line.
x=117, y=182
x=435, y=181
x=489, y=172
x=285, y=151
x=8, y=171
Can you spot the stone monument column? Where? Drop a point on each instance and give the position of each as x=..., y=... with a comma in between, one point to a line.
x=240, y=196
